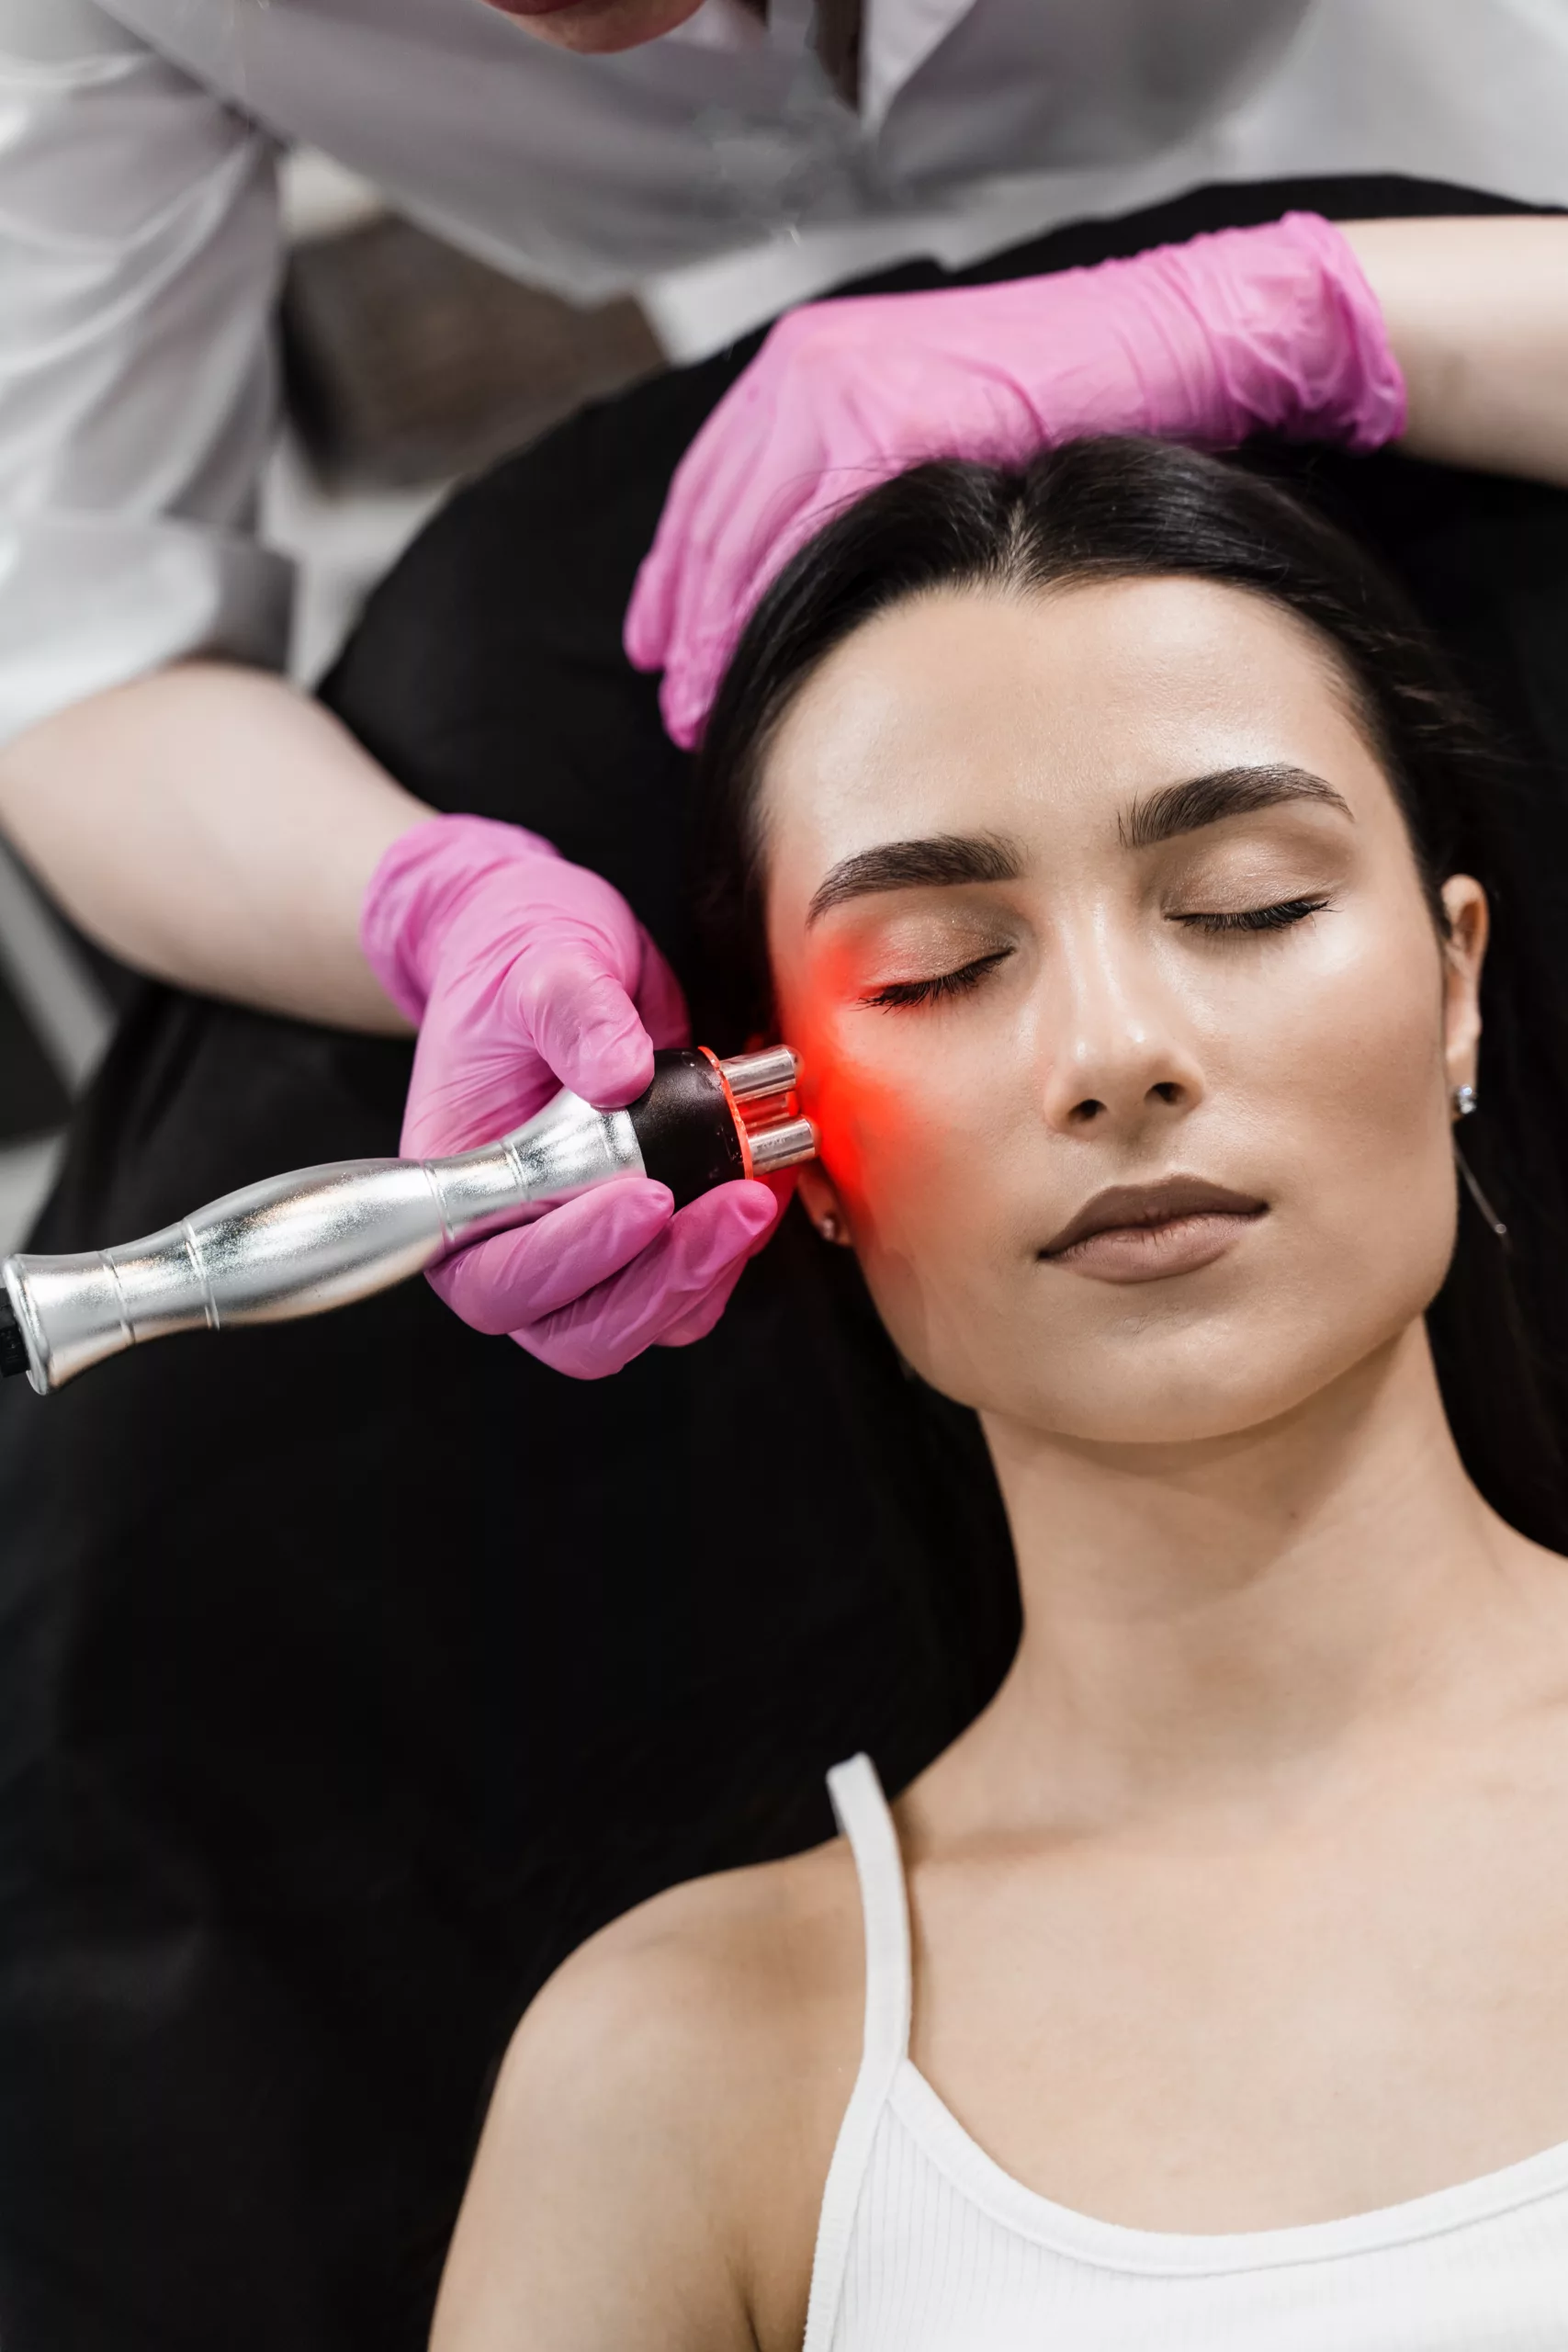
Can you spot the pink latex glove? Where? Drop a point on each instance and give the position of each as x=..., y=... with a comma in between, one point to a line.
x=525, y=974
x=1272, y=329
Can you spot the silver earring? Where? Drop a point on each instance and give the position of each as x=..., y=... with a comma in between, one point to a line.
x=829, y=1227
x=1464, y=1105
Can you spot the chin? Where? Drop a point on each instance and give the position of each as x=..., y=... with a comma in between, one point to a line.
x=1176, y=1412
x=1221, y=1376
x=599, y=27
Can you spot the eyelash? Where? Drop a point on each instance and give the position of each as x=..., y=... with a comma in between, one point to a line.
x=1275, y=918
x=904, y=992
x=898, y=994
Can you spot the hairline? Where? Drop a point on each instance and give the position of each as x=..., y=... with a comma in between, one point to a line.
x=1008, y=583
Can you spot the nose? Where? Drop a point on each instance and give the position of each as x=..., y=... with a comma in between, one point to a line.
x=1118, y=1051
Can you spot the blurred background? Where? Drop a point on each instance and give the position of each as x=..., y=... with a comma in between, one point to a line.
x=407, y=365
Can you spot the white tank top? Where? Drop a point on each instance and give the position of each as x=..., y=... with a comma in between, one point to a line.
x=926, y=2245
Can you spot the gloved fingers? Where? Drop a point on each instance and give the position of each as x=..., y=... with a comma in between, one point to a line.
x=704, y=1246
x=818, y=436
x=721, y=584
x=536, y=1271
x=707, y=1312
x=643, y=630
x=724, y=450
x=725, y=555
x=783, y=1188
x=649, y=615
x=661, y=1005
x=702, y=650
x=700, y=1322
x=736, y=492
x=577, y=1011
x=686, y=694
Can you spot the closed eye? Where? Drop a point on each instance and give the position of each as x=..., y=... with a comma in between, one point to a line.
x=1279, y=917
x=967, y=976
x=1275, y=918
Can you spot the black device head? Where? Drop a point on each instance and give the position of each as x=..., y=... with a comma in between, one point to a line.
x=686, y=1126
x=705, y=1121
x=13, y=1347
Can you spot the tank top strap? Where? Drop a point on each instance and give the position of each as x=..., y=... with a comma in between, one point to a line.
x=863, y=1816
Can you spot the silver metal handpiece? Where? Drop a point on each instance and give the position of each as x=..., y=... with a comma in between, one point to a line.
x=322, y=1237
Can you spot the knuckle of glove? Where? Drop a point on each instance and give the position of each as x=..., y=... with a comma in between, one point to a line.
x=568, y=976
x=475, y=1295
x=590, y=1339
x=580, y=1356
x=818, y=334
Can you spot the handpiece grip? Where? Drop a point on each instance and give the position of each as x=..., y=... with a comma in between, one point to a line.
x=300, y=1244
x=321, y=1237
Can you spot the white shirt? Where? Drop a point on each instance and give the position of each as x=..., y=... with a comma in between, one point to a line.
x=139, y=246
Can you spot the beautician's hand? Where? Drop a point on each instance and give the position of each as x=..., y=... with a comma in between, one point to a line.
x=524, y=974
x=1269, y=329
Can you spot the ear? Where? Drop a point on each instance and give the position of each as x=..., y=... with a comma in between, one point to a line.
x=1464, y=950
x=822, y=1204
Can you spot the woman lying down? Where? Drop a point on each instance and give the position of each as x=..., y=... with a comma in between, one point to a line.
x=1108, y=841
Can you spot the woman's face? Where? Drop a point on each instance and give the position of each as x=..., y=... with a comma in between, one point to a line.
x=1124, y=1020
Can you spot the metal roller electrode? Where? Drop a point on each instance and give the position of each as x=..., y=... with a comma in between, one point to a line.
x=321, y=1237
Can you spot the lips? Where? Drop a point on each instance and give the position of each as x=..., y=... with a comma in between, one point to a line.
x=1143, y=1232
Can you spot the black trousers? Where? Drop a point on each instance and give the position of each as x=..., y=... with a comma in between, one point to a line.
x=352, y=1673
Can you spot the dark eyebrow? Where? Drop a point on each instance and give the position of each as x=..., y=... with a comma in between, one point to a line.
x=1208, y=799
x=944, y=860
x=940, y=863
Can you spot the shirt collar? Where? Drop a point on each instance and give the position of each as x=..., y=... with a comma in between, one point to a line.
x=897, y=38
x=720, y=25
x=871, y=48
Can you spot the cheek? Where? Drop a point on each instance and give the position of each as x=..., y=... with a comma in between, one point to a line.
x=1371, y=1112
x=1330, y=1097
x=918, y=1116
x=892, y=1127
x=1345, y=1065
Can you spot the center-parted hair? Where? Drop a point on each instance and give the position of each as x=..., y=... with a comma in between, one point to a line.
x=1129, y=509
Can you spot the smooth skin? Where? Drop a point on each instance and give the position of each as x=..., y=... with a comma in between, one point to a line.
x=212, y=827
x=1240, y=1906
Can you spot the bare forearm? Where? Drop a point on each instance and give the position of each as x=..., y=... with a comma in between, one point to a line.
x=1477, y=312
x=212, y=827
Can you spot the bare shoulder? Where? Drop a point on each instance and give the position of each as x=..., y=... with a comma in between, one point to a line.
x=660, y=2093
x=710, y=1970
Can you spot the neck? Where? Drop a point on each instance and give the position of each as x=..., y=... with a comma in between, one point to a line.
x=1204, y=1621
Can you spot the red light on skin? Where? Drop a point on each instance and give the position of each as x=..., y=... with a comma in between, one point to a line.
x=921, y=1117
x=860, y=1118
x=875, y=1084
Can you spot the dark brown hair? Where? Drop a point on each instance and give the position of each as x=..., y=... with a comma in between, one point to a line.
x=1123, y=508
